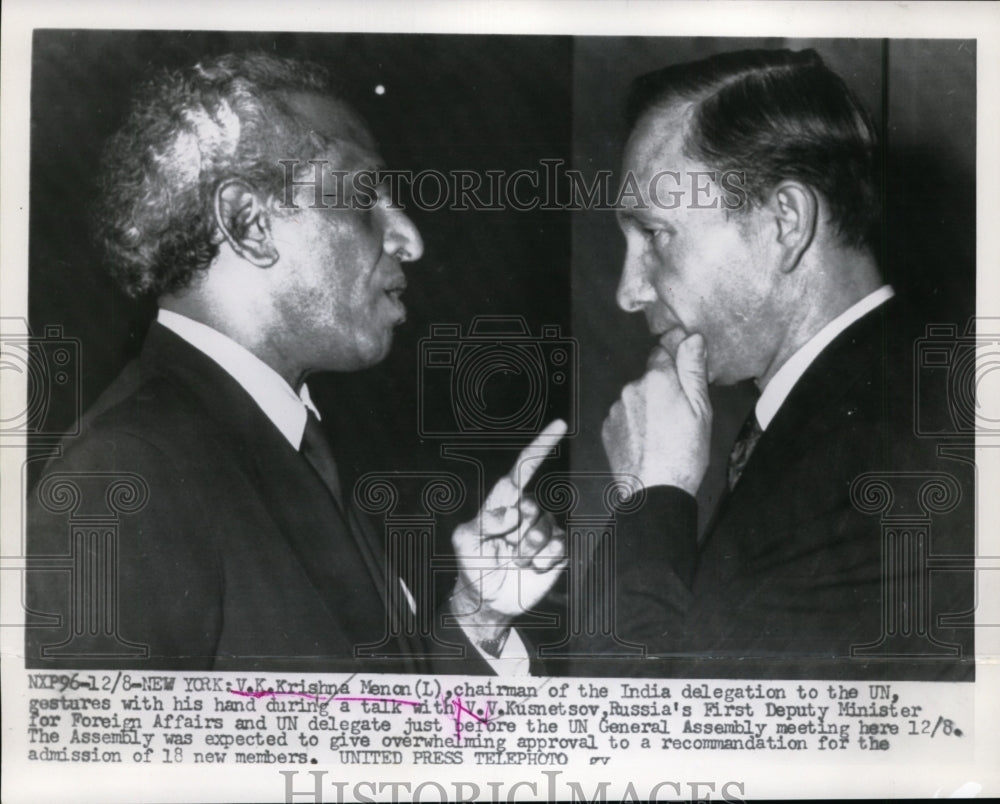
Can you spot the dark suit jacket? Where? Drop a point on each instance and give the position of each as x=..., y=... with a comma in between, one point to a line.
x=239, y=558
x=794, y=577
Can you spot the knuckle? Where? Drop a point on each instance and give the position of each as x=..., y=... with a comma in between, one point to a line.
x=534, y=537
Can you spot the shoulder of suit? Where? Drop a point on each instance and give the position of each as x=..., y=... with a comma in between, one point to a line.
x=143, y=412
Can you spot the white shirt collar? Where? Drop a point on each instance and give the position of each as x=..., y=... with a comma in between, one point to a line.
x=274, y=396
x=781, y=384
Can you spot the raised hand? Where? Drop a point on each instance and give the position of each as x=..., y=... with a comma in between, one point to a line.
x=659, y=430
x=512, y=552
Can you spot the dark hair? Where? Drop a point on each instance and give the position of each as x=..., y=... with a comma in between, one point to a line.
x=774, y=115
x=186, y=130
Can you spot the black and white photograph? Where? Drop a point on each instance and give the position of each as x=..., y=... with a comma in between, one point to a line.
x=420, y=408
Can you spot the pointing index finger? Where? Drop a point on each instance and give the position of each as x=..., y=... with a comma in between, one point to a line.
x=534, y=455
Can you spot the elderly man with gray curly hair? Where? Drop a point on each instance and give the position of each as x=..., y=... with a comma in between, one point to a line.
x=246, y=552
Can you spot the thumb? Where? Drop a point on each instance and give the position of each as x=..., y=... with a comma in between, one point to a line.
x=465, y=540
x=692, y=372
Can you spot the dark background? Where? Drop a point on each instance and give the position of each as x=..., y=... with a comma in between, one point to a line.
x=922, y=93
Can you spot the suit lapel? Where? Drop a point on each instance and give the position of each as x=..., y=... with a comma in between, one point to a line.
x=813, y=405
x=749, y=516
x=349, y=579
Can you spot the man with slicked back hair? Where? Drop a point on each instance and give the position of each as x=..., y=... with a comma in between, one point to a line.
x=761, y=267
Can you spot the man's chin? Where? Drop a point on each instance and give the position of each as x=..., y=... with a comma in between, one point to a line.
x=379, y=352
x=365, y=355
x=721, y=378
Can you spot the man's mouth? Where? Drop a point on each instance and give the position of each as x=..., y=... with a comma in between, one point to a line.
x=394, y=294
x=660, y=322
x=669, y=337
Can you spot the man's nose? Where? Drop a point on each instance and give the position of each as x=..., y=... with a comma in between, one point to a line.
x=634, y=290
x=402, y=238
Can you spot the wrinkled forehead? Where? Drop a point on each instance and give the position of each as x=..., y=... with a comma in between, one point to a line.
x=342, y=133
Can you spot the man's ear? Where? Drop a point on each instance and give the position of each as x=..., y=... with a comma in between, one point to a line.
x=245, y=222
x=796, y=209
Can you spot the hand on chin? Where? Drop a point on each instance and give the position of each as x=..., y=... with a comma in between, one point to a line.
x=671, y=339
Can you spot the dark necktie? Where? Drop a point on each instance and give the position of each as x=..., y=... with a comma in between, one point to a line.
x=746, y=440
x=317, y=451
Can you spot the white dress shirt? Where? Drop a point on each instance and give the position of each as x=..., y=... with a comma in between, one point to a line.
x=781, y=384
x=287, y=410
x=274, y=396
